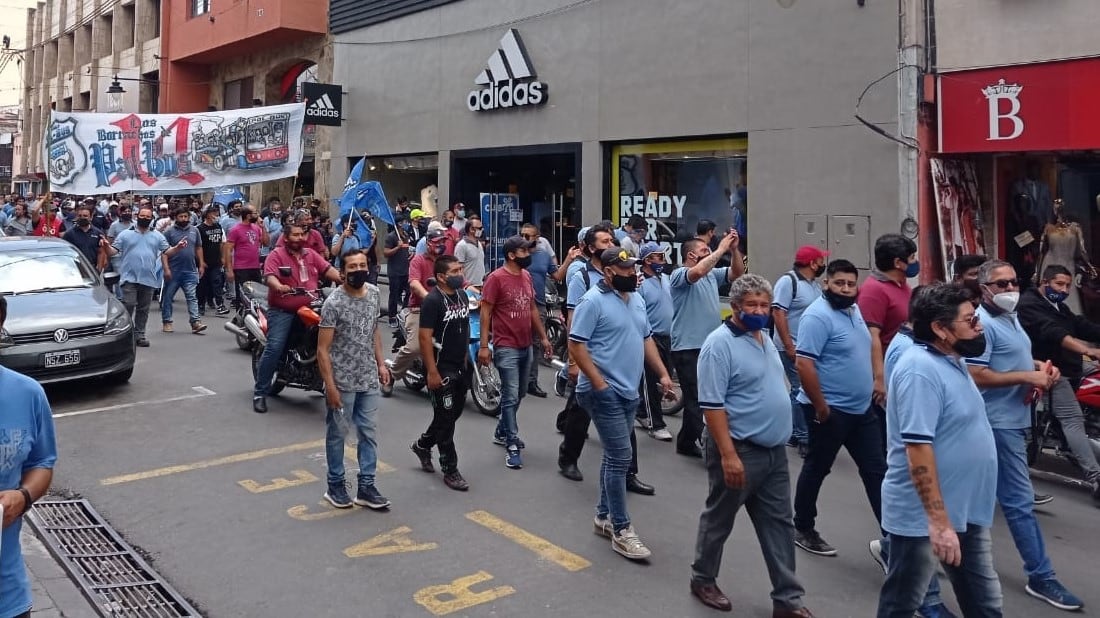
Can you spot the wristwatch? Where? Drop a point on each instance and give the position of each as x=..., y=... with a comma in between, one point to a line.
x=27, y=499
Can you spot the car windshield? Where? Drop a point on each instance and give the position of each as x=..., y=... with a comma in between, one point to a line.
x=30, y=271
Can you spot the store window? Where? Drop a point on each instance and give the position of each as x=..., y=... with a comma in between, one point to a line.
x=199, y=7
x=673, y=185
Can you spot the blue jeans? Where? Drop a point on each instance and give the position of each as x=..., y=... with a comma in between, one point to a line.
x=279, y=323
x=189, y=282
x=359, y=408
x=799, y=432
x=913, y=566
x=514, y=366
x=613, y=416
x=1017, y=499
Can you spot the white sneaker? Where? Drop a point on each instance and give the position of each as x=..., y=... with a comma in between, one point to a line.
x=643, y=422
x=875, y=547
x=603, y=527
x=661, y=434
x=627, y=544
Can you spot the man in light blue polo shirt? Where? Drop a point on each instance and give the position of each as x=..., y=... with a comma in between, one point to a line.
x=834, y=364
x=940, y=440
x=694, y=289
x=794, y=292
x=1006, y=374
x=608, y=340
x=744, y=398
x=658, y=307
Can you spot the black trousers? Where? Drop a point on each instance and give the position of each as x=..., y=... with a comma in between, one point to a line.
x=575, y=431
x=651, y=394
x=686, y=362
x=447, y=404
x=399, y=293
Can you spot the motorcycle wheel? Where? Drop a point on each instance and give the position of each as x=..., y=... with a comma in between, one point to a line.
x=556, y=334
x=672, y=406
x=1035, y=441
x=277, y=385
x=486, y=396
x=415, y=384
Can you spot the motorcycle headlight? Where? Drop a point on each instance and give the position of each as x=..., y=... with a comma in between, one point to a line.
x=5, y=339
x=118, y=320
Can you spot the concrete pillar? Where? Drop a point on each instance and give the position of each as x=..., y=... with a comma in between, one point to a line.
x=592, y=182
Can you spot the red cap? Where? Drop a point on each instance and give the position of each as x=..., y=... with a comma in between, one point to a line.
x=809, y=253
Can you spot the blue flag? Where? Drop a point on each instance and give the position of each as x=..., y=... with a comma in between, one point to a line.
x=369, y=195
x=224, y=195
x=362, y=229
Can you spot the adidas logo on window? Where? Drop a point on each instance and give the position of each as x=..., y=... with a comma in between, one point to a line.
x=508, y=79
x=323, y=107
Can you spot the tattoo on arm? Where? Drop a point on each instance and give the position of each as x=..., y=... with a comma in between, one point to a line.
x=925, y=485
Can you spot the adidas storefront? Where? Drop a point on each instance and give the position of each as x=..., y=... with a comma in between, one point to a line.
x=567, y=112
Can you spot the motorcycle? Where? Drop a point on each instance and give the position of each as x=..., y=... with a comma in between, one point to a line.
x=237, y=325
x=297, y=368
x=1046, y=431
x=484, y=382
x=554, y=323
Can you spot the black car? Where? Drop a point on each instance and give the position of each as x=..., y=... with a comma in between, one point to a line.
x=63, y=323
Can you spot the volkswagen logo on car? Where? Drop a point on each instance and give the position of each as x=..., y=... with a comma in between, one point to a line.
x=61, y=335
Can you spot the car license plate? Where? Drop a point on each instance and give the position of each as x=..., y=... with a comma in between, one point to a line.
x=62, y=359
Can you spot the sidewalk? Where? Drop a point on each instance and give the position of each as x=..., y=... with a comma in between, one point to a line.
x=54, y=594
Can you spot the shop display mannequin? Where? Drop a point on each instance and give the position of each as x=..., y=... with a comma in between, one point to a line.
x=1029, y=211
x=1064, y=244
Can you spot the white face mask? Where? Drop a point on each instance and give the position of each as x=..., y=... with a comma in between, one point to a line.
x=1006, y=300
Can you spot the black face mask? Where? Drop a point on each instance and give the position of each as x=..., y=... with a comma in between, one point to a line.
x=523, y=262
x=624, y=283
x=837, y=301
x=819, y=271
x=143, y=222
x=970, y=348
x=83, y=222
x=183, y=225
x=357, y=278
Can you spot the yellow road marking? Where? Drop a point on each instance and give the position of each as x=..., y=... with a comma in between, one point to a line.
x=460, y=595
x=543, y=548
x=210, y=463
x=301, y=477
x=395, y=541
x=301, y=512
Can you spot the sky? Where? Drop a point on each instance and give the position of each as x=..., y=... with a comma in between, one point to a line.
x=13, y=23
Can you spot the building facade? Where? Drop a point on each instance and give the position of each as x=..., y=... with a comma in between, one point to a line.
x=75, y=49
x=569, y=112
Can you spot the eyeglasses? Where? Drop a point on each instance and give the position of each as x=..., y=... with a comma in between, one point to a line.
x=972, y=320
x=476, y=227
x=528, y=237
x=840, y=283
x=1004, y=283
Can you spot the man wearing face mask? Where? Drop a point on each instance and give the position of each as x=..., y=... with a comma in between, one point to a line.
x=610, y=341
x=796, y=290
x=834, y=367
x=966, y=273
x=184, y=270
x=232, y=215
x=458, y=209
x=658, y=307
x=421, y=269
x=470, y=252
x=509, y=314
x=349, y=356
x=314, y=239
x=144, y=256
x=453, y=233
x=273, y=223
x=1006, y=374
x=1060, y=335
x=241, y=251
x=89, y=239
x=397, y=255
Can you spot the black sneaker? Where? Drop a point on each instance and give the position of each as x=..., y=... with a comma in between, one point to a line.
x=424, y=455
x=812, y=542
x=337, y=496
x=455, y=481
x=142, y=342
x=369, y=497
x=222, y=310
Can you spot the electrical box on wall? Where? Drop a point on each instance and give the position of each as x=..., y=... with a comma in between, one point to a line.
x=843, y=236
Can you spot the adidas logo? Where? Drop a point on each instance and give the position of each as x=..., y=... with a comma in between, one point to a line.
x=508, y=79
x=323, y=107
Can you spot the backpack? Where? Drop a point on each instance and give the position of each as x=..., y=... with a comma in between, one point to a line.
x=794, y=294
x=587, y=282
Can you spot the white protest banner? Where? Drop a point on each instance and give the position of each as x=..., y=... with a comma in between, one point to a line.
x=95, y=154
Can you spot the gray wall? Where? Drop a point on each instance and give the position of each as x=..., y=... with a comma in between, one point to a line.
x=621, y=70
x=979, y=33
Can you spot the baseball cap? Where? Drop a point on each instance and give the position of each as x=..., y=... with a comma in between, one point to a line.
x=416, y=213
x=435, y=225
x=513, y=243
x=617, y=257
x=435, y=235
x=809, y=253
x=649, y=249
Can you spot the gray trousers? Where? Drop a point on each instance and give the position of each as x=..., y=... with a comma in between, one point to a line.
x=533, y=378
x=1068, y=412
x=767, y=498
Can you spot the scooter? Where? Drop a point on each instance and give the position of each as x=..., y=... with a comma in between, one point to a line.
x=297, y=367
x=238, y=324
x=1047, y=433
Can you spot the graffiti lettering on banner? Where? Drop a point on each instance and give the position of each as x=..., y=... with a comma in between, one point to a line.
x=94, y=154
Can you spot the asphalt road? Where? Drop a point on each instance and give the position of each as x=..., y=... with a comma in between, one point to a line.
x=228, y=505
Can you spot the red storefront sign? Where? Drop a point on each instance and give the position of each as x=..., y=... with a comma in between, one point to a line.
x=1047, y=106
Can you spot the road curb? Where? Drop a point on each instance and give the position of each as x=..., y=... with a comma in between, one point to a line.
x=55, y=594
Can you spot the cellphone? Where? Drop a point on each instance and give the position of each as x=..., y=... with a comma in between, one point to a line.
x=284, y=271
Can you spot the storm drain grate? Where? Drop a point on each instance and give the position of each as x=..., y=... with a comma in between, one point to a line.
x=109, y=572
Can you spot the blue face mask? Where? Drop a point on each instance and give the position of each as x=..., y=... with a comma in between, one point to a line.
x=657, y=268
x=1054, y=296
x=753, y=321
x=912, y=270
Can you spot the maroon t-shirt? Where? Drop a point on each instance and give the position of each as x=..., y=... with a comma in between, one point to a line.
x=512, y=297
x=884, y=303
x=306, y=270
x=420, y=269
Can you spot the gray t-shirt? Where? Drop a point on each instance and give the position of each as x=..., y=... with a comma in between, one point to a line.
x=354, y=368
x=472, y=256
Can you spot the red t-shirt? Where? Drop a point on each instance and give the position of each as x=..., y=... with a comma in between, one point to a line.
x=306, y=271
x=246, y=239
x=512, y=297
x=453, y=236
x=884, y=303
x=53, y=230
x=420, y=269
x=314, y=241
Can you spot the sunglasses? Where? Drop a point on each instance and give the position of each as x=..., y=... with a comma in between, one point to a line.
x=972, y=320
x=1004, y=283
x=526, y=236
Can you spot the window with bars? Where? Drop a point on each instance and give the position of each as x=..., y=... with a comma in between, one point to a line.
x=200, y=7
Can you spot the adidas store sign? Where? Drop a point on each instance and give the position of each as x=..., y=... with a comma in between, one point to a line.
x=324, y=103
x=508, y=79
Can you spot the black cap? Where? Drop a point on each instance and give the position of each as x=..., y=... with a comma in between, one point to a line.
x=435, y=234
x=617, y=257
x=514, y=243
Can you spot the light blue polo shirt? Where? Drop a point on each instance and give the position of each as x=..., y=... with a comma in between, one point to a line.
x=840, y=345
x=794, y=299
x=576, y=289
x=658, y=303
x=139, y=259
x=931, y=399
x=614, y=331
x=745, y=378
x=1007, y=348
x=695, y=307
x=899, y=345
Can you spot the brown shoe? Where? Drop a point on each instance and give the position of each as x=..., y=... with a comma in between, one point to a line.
x=167, y=327
x=197, y=327
x=711, y=596
x=802, y=612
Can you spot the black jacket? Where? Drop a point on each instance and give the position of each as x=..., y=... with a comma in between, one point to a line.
x=1047, y=327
